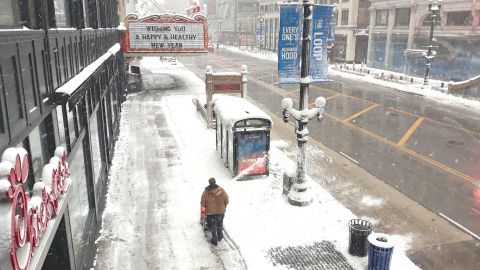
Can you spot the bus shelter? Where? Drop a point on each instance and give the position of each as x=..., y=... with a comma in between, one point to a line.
x=242, y=136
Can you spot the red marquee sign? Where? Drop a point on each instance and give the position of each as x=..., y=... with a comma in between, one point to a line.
x=23, y=218
x=166, y=33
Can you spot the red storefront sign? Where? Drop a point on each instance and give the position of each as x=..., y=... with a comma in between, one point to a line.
x=25, y=218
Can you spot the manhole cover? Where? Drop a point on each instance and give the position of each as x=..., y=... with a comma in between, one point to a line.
x=455, y=143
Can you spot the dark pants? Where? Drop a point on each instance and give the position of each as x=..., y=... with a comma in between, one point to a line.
x=215, y=223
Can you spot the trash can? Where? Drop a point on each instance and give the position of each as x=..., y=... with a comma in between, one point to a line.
x=359, y=231
x=380, y=250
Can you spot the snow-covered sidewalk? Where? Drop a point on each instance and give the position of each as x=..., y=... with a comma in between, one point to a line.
x=163, y=159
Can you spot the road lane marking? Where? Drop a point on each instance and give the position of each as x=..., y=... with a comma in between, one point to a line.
x=411, y=152
x=371, y=134
x=348, y=157
x=328, y=98
x=410, y=131
x=405, y=112
x=334, y=96
x=460, y=226
x=361, y=112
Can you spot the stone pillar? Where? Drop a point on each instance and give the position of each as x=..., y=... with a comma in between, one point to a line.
x=411, y=26
x=370, y=36
x=351, y=44
x=388, y=47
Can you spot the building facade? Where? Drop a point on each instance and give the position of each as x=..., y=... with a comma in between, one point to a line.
x=350, y=17
x=400, y=30
x=62, y=81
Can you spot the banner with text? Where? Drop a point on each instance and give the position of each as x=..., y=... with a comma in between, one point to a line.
x=289, y=42
x=289, y=45
x=166, y=33
x=321, y=20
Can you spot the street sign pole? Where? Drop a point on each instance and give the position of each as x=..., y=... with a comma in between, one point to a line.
x=300, y=191
x=299, y=186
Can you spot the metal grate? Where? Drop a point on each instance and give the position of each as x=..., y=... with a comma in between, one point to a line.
x=320, y=255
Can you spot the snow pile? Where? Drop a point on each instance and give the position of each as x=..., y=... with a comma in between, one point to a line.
x=259, y=54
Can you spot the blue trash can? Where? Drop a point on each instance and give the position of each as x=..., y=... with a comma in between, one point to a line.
x=380, y=250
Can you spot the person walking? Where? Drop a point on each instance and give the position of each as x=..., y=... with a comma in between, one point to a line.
x=215, y=200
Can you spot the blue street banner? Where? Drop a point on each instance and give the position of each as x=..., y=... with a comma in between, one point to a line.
x=289, y=43
x=321, y=20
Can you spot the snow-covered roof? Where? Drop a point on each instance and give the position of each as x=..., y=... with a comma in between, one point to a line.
x=231, y=109
x=70, y=86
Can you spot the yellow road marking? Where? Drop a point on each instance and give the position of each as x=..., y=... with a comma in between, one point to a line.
x=411, y=152
x=402, y=148
x=405, y=112
x=361, y=112
x=334, y=96
x=410, y=131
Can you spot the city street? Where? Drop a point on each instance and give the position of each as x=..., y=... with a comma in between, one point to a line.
x=426, y=150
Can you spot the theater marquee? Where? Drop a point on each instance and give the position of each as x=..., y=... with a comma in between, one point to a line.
x=166, y=33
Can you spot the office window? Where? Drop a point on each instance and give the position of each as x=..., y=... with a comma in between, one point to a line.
x=459, y=18
x=344, y=17
x=381, y=18
x=402, y=16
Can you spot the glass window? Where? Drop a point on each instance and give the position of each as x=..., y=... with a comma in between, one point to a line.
x=6, y=13
x=85, y=13
x=113, y=100
x=78, y=207
x=344, y=16
x=71, y=124
x=459, y=18
x=402, y=16
x=61, y=13
x=95, y=148
x=36, y=153
x=61, y=127
x=381, y=17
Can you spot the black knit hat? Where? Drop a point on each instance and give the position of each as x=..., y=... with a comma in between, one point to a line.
x=211, y=181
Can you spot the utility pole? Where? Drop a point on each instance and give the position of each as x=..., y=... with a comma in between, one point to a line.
x=433, y=8
x=300, y=191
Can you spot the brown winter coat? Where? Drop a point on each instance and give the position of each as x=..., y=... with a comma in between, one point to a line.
x=214, y=199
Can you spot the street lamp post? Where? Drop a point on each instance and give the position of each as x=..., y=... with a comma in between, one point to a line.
x=433, y=8
x=300, y=193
